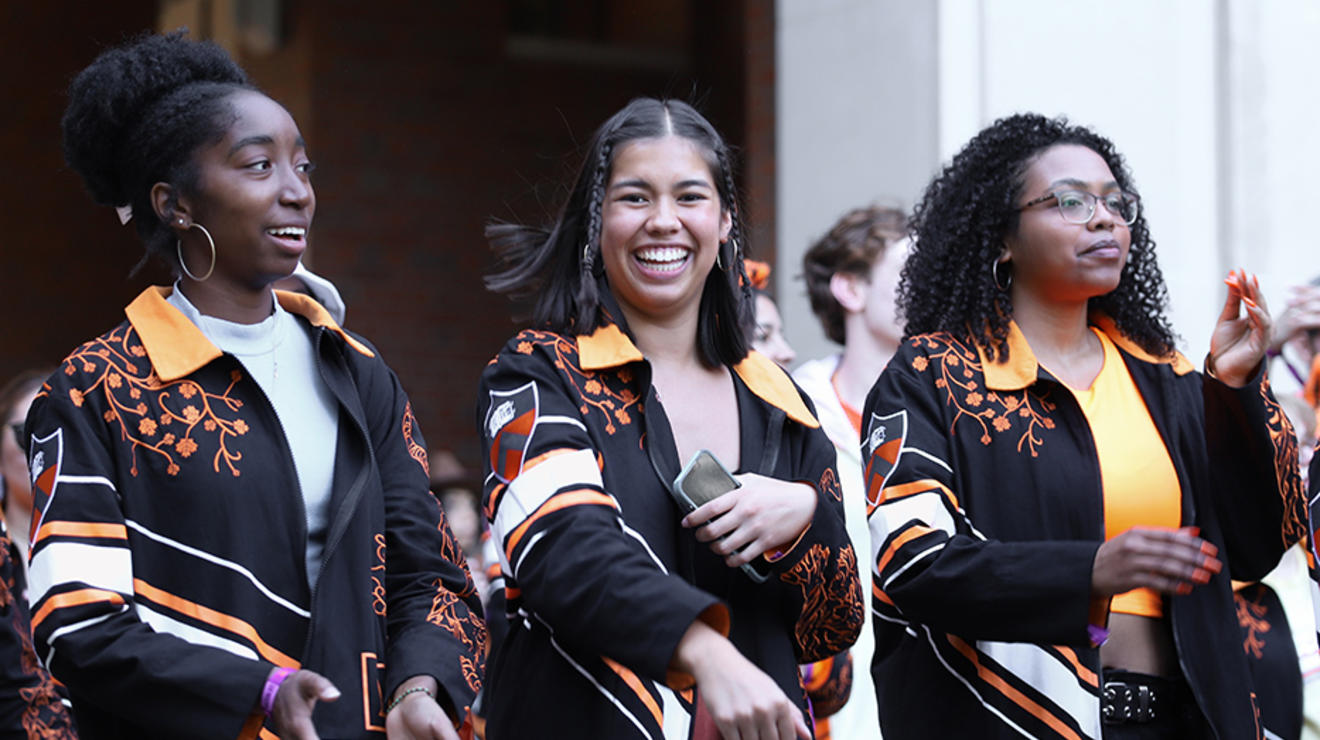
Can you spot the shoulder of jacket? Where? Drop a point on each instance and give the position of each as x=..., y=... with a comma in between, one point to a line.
x=533, y=345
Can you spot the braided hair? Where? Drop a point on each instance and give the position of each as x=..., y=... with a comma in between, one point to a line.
x=559, y=267
x=137, y=116
x=959, y=226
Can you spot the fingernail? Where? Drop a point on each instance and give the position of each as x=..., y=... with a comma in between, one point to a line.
x=330, y=694
x=1183, y=589
x=1248, y=301
x=1195, y=531
x=1209, y=549
x=1213, y=565
x=1201, y=576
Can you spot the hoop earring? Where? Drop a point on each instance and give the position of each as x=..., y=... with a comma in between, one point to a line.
x=718, y=262
x=586, y=252
x=178, y=250
x=994, y=276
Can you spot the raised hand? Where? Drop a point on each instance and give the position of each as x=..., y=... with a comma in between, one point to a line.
x=1238, y=343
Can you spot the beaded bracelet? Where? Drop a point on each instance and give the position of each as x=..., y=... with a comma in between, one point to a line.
x=404, y=694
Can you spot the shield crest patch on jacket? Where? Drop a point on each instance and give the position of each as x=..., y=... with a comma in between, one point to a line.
x=44, y=458
x=508, y=426
x=881, y=447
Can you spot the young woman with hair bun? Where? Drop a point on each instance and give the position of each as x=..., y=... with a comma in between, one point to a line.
x=233, y=534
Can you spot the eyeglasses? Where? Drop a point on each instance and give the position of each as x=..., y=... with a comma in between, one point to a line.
x=1078, y=206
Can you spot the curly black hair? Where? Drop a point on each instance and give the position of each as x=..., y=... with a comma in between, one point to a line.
x=959, y=226
x=139, y=113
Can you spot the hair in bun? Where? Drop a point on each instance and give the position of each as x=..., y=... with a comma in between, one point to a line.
x=136, y=116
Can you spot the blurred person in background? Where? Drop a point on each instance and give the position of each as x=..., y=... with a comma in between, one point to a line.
x=1061, y=499
x=768, y=332
x=15, y=399
x=852, y=281
x=31, y=704
x=829, y=682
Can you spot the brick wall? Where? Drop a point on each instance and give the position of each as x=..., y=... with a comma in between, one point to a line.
x=424, y=127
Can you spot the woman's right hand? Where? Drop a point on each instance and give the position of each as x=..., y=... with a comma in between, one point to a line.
x=1167, y=560
x=292, y=712
x=744, y=702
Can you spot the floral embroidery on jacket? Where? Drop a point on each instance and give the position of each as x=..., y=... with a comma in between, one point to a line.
x=1286, y=466
x=469, y=628
x=415, y=451
x=960, y=375
x=607, y=392
x=831, y=616
x=1254, y=622
x=151, y=415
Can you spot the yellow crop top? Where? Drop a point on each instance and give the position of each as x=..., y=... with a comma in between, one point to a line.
x=1140, y=485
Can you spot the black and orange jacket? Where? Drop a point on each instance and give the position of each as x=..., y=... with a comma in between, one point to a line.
x=168, y=573
x=31, y=704
x=601, y=580
x=987, y=514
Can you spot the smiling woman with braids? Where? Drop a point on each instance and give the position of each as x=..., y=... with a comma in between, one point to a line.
x=233, y=534
x=621, y=602
x=1060, y=498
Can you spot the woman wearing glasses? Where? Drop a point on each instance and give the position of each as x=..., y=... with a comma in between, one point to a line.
x=1060, y=497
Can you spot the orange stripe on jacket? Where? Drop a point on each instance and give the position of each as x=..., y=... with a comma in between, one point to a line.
x=557, y=502
x=880, y=594
x=635, y=684
x=1086, y=674
x=74, y=598
x=907, y=536
x=1022, y=700
x=917, y=486
x=81, y=529
x=216, y=619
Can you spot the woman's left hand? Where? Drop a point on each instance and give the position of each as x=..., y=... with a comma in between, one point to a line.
x=1238, y=343
x=419, y=716
x=765, y=513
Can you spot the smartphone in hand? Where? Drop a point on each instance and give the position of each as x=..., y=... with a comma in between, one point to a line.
x=701, y=481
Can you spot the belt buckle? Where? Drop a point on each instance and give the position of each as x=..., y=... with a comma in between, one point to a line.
x=1123, y=702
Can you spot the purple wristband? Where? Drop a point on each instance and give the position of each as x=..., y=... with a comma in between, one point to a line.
x=272, y=688
x=1099, y=635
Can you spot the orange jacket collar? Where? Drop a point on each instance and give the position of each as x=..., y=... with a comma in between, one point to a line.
x=609, y=347
x=178, y=348
x=1020, y=370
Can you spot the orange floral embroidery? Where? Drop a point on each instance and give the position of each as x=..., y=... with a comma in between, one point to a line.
x=121, y=382
x=378, y=604
x=415, y=451
x=832, y=609
x=959, y=374
x=829, y=483
x=1252, y=620
x=1286, y=466
x=44, y=715
x=606, y=392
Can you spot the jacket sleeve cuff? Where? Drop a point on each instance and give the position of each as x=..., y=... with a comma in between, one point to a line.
x=716, y=616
